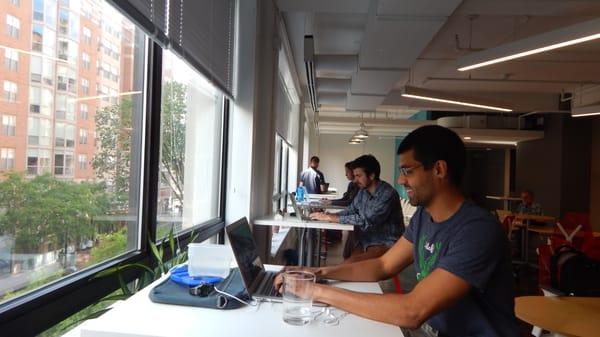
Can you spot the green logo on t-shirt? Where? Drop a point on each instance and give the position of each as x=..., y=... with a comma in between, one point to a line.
x=426, y=264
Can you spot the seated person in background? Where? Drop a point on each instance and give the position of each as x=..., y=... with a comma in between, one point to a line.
x=527, y=206
x=312, y=179
x=351, y=191
x=375, y=212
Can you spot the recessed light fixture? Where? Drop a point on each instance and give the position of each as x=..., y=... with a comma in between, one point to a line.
x=444, y=97
x=587, y=110
x=559, y=38
x=467, y=138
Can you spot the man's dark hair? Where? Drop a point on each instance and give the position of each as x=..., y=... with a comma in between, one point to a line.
x=530, y=192
x=369, y=164
x=315, y=159
x=349, y=165
x=432, y=143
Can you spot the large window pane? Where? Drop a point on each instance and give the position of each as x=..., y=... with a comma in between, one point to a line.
x=69, y=181
x=191, y=140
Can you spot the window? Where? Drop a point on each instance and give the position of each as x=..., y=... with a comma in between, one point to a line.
x=9, y=125
x=85, y=87
x=11, y=59
x=10, y=91
x=83, y=111
x=13, y=26
x=65, y=108
x=64, y=135
x=40, y=100
x=189, y=101
x=63, y=163
x=7, y=159
x=82, y=159
x=38, y=10
x=35, y=99
x=280, y=183
x=38, y=161
x=85, y=61
x=35, y=69
x=16, y=3
x=87, y=36
x=83, y=136
x=48, y=71
x=38, y=131
x=66, y=79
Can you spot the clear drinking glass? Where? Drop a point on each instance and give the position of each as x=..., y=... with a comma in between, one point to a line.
x=297, y=297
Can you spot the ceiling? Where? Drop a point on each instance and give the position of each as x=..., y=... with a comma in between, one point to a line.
x=367, y=51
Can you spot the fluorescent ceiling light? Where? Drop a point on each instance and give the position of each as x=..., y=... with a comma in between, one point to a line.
x=37, y=54
x=87, y=98
x=494, y=142
x=559, y=38
x=587, y=110
x=467, y=138
x=444, y=97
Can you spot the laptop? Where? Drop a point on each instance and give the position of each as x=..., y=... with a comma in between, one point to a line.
x=258, y=281
x=299, y=214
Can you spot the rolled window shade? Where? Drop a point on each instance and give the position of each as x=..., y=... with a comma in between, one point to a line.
x=201, y=31
x=150, y=15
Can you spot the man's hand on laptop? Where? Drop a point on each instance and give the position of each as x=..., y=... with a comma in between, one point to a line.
x=324, y=216
x=278, y=281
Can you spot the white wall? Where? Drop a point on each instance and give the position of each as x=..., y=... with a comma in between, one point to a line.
x=334, y=152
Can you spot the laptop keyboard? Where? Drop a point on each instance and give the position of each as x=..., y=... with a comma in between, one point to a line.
x=266, y=287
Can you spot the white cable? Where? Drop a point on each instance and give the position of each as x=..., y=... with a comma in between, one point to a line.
x=252, y=303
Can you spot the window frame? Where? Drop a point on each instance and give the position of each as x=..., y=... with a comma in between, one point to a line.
x=56, y=301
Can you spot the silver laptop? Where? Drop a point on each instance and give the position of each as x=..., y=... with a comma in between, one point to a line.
x=258, y=281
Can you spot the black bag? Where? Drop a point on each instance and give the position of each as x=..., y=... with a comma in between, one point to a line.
x=574, y=273
x=169, y=292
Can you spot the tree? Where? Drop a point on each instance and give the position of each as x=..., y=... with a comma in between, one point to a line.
x=113, y=157
x=172, y=149
x=112, y=160
x=46, y=211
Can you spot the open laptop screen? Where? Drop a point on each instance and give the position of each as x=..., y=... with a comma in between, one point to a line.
x=245, y=251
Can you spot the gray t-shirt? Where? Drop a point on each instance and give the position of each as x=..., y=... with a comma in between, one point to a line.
x=312, y=180
x=471, y=245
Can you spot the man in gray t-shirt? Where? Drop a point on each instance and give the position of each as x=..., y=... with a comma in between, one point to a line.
x=312, y=179
x=459, y=251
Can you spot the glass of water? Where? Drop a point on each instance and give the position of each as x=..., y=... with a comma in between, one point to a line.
x=297, y=297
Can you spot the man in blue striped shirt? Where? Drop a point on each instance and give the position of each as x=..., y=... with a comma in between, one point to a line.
x=375, y=212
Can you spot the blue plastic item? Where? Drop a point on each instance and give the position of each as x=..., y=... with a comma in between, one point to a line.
x=300, y=191
x=180, y=275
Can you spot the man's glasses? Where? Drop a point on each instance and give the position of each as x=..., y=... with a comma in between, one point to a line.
x=406, y=171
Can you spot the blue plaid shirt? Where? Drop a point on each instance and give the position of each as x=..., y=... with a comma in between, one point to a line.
x=377, y=218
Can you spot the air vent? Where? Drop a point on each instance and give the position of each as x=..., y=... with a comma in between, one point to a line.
x=311, y=75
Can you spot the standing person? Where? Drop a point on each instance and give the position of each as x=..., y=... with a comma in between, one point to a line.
x=375, y=212
x=312, y=179
x=460, y=252
x=527, y=206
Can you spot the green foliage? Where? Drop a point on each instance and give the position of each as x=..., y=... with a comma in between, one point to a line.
x=112, y=160
x=172, y=149
x=109, y=245
x=46, y=211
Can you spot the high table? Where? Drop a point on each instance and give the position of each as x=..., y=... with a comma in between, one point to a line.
x=305, y=237
x=140, y=317
x=504, y=198
x=572, y=316
x=525, y=220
